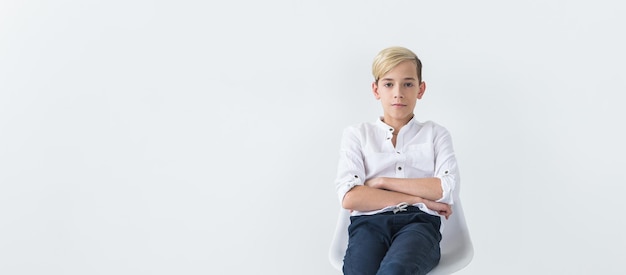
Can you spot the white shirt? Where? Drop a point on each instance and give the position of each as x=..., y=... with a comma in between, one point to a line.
x=422, y=150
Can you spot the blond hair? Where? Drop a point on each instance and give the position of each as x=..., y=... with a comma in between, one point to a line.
x=389, y=58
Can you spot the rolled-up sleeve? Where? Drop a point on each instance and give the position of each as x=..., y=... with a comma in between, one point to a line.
x=350, y=170
x=446, y=168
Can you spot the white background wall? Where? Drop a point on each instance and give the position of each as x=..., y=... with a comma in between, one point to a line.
x=194, y=137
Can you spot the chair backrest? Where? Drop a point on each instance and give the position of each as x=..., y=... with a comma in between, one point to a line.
x=457, y=250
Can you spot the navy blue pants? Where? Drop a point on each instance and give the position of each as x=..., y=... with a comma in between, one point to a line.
x=393, y=244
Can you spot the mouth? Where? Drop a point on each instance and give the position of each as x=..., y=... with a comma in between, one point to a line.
x=398, y=105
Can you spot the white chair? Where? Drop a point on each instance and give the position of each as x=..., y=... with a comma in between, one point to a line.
x=457, y=250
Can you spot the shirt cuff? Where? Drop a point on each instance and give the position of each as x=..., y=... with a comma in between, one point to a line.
x=346, y=185
x=447, y=186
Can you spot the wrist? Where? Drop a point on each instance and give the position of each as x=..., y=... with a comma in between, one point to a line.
x=417, y=200
x=381, y=183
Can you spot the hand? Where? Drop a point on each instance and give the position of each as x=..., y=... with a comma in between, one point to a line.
x=375, y=183
x=441, y=208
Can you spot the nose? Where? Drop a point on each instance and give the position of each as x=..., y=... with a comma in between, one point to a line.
x=397, y=93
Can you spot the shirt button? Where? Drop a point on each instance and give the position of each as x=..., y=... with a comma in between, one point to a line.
x=399, y=167
x=390, y=129
x=356, y=177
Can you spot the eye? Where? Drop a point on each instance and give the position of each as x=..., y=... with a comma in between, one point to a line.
x=388, y=85
x=410, y=84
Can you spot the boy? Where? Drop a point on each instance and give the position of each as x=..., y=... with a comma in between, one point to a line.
x=396, y=175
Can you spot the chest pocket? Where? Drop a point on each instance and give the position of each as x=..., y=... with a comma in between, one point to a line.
x=422, y=158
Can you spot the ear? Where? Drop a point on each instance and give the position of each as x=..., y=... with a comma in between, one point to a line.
x=422, y=87
x=375, y=90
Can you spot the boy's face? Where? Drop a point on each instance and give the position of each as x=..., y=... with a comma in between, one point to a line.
x=398, y=91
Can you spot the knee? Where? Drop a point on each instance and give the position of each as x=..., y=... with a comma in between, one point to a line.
x=400, y=268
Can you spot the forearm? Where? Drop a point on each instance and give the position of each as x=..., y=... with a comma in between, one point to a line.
x=365, y=198
x=427, y=188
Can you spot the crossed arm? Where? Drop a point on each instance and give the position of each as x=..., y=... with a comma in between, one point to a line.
x=378, y=193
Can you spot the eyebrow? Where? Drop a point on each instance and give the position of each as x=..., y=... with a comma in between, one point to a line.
x=406, y=78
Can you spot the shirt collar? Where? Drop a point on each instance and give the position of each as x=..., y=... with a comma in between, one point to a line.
x=381, y=124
